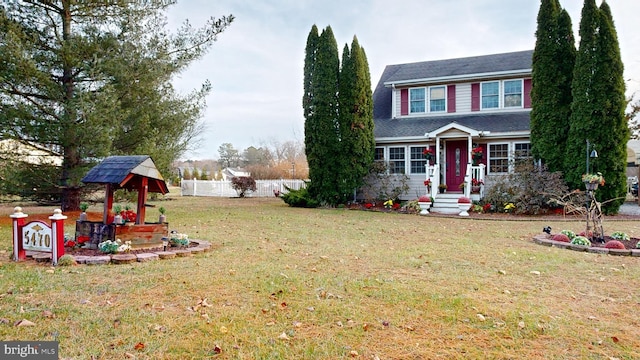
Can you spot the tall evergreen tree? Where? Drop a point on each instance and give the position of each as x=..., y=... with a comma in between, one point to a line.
x=356, y=117
x=552, y=67
x=582, y=126
x=598, y=107
x=321, y=124
x=87, y=79
x=612, y=132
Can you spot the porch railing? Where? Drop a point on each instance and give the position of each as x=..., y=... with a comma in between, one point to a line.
x=473, y=172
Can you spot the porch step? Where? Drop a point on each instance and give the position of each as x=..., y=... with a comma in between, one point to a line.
x=446, y=203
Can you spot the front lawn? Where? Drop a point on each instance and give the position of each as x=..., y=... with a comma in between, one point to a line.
x=291, y=283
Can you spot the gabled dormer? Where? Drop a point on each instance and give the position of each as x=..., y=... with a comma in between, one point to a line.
x=491, y=83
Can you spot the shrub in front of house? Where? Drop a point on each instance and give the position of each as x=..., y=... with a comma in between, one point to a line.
x=560, y=237
x=614, y=244
x=530, y=188
x=299, y=198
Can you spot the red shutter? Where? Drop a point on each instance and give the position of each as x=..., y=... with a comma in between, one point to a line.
x=475, y=97
x=404, y=102
x=527, y=93
x=451, y=98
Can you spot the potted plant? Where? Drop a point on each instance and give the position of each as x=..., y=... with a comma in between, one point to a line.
x=464, y=204
x=163, y=217
x=476, y=155
x=428, y=154
x=424, y=202
x=591, y=181
x=475, y=185
x=117, y=219
x=83, y=208
x=442, y=188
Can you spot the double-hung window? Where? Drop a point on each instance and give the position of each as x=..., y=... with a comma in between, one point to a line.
x=417, y=100
x=437, y=98
x=498, y=158
x=512, y=93
x=396, y=160
x=418, y=162
x=490, y=95
x=522, y=150
x=378, y=155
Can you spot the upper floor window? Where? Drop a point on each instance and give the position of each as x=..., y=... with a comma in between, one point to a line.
x=396, y=160
x=498, y=158
x=490, y=95
x=437, y=98
x=417, y=100
x=418, y=162
x=513, y=93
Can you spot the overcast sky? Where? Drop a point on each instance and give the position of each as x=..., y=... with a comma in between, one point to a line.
x=256, y=66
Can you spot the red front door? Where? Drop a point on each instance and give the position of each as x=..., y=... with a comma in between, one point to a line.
x=456, y=163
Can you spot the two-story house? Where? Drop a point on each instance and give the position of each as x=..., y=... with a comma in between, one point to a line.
x=453, y=107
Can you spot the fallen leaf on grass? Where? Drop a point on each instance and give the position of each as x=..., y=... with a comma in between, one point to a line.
x=481, y=317
x=615, y=339
x=24, y=322
x=139, y=346
x=217, y=350
x=129, y=355
x=283, y=336
x=353, y=353
x=534, y=272
x=223, y=329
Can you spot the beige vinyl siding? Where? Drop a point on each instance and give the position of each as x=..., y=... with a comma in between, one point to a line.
x=463, y=98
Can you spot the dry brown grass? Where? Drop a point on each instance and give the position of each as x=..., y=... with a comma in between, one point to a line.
x=338, y=284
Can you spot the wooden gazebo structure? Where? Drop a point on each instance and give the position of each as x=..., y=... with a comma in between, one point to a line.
x=137, y=173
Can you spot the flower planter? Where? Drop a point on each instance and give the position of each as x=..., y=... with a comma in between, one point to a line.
x=424, y=207
x=475, y=189
x=464, y=208
x=591, y=186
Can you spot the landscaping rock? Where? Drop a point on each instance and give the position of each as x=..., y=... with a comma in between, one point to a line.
x=182, y=253
x=123, y=258
x=620, y=252
x=98, y=260
x=166, y=254
x=144, y=257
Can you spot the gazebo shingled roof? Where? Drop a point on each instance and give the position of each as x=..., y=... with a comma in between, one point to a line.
x=126, y=172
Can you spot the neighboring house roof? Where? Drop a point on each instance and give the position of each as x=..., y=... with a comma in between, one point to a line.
x=30, y=152
x=126, y=172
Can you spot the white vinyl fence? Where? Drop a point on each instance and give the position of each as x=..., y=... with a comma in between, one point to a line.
x=264, y=188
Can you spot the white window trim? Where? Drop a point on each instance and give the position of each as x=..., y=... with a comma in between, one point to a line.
x=511, y=156
x=388, y=159
x=521, y=106
x=427, y=100
x=509, y=147
x=410, y=167
x=445, y=99
x=501, y=94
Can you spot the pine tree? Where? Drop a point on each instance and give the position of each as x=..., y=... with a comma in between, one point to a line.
x=321, y=124
x=87, y=79
x=356, y=118
x=552, y=67
x=610, y=129
x=582, y=125
x=598, y=107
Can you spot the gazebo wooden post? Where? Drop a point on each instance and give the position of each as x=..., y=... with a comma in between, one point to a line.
x=108, y=203
x=142, y=199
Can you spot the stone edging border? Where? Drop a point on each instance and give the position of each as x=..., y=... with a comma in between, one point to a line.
x=202, y=246
x=545, y=241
